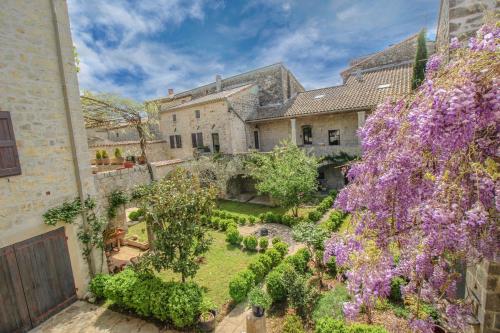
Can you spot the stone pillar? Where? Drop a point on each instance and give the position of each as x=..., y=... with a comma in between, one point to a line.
x=361, y=118
x=293, y=124
x=255, y=324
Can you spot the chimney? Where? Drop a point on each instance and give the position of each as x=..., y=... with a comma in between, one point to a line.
x=359, y=75
x=218, y=83
x=170, y=91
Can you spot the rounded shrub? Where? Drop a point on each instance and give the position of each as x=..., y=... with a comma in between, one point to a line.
x=252, y=220
x=274, y=255
x=258, y=268
x=134, y=216
x=223, y=224
x=250, y=243
x=292, y=324
x=233, y=236
x=240, y=285
x=262, y=217
x=266, y=261
x=184, y=304
x=274, y=283
x=329, y=325
x=299, y=260
x=242, y=220
x=276, y=239
x=98, y=283
x=263, y=243
x=119, y=287
x=365, y=328
x=282, y=248
x=314, y=216
x=146, y=286
x=215, y=222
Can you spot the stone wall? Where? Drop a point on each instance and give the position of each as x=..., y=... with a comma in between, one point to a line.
x=155, y=150
x=39, y=87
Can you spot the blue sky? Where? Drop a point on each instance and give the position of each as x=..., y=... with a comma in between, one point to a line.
x=140, y=48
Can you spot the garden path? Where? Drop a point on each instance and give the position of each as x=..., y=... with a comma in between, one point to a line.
x=83, y=317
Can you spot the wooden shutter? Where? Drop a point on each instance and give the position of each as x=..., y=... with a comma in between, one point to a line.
x=172, y=141
x=199, y=139
x=178, y=141
x=9, y=159
x=193, y=140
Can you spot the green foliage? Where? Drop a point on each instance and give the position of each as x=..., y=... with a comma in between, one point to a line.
x=339, y=159
x=263, y=243
x=184, y=304
x=66, y=213
x=233, y=236
x=331, y=267
x=314, y=216
x=300, y=295
x=104, y=154
x=274, y=282
x=259, y=269
x=310, y=234
x=266, y=261
x=91, y=236
x=334, y=221
x=250, y=243
x=115, y=200
x=299, y=260
x=396, y=284
x=98, y=283
x=287, y=174
x=330, y=325
x=240, y=285
x=252, y=220
x=118, y=153
x=274, y=255
x=98, y=155
x=174, y=208
x=364, y=328
x=330, y=304
x=119, y=287
x=135, y=215
x=292, y=324
x=420, y=61
x=282, y=248
x=258, y=297
x=276, y=239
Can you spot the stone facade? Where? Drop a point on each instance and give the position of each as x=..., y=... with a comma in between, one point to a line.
x=39, y=87
x=97, y=135
x=155, y=150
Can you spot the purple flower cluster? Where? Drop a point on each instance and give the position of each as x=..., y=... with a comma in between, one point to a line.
x=427, y=186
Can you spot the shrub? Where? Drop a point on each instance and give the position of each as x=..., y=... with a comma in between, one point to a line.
x=274, y=282
x=118, y=152
x=140, y=299
x=250, y=243
x=119, y=287
x=233, y=236
x=274, y=255
x=300, y=295
x=299, y=260
x=184, y=304
x=330, y=325
x=288, y=220
x=266, y=261
x=223, y=225
x=258, y=268
x=282, y=248
x=252, y=220
x=203, y=219
x=98, y=155
x=276, y=240
x=292, y=324
x=240, y=285
x=104, y=154
x=133, y=216
x=364, y=328
x=215, y=222
x=314, y=216
x=262, y=217
x=258, y=297
x=331, y=266
x=331, y=303
x=396, y=284
x=242, y=220
x=263, y=243
x=98, y=283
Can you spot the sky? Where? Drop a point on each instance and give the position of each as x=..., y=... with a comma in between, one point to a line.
x=141, y=48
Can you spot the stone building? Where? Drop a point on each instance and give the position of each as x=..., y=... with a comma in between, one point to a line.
x=43, y=162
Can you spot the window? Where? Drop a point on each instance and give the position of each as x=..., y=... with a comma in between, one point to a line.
x=117, y=134
x=197, y=140
x=334, y=137
x=178, y=141
x=174, y=118
x=197, y=114
x=307, y=135
x=172, y=141
x=215, y=142
x=256, y=139
x=9, y=159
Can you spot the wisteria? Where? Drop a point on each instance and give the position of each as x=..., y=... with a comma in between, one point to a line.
x=424, y=198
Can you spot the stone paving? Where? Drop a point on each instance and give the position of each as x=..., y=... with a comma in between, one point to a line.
x=83, y=317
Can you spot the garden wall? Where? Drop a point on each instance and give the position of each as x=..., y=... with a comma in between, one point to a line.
x=156, y=150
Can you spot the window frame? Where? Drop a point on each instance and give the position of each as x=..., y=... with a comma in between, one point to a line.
x=309, y=140
x=256, y=139
x=330, y=136
x=174, y=118
x=178, y=141
x=197, y=114
x=216, y=147
x=9, y=142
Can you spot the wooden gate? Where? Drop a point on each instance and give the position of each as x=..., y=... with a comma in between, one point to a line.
x=36, y=281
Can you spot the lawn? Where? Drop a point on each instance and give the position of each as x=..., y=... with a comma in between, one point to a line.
x=138, y=230
x=222, y=262
x=247, y=209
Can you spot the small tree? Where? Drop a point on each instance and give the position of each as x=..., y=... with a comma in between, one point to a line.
x=287, y=174
x=420, y=60
x=174, y=207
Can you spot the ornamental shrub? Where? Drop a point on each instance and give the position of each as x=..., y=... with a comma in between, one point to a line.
x=259, y=269
x=263, y=243
x=274, y=283
x=240, y=285
x=364, y=328
x=215, y=222
x=140, y=299
x=262, y=217
x=250, y=243
x=299, y=260
x=314, y=216
x=292, y=324
x=266, y=261
x=276, y=239
x=233, y=236
x=396, y=284
x=242, y=220
x=331, y=267
x=252, y=220
x=330, y=325
x=282, y=248
x=184, y=304
x=274, y=255
x=223, y=225
x=119, y=287
x=98, y=283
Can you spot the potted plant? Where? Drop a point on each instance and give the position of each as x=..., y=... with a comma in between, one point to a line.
x=259, y=300
x=129, y=162
x=206, y=322
x=142, y=160
x=118, y=156
x=98, y=157
x=105, y=157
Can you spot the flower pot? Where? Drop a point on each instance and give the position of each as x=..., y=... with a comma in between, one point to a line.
x=128, y=164
x=105, y=161
x=118, y=160
x=258, y=311
x=207, y=321
x=99, y=161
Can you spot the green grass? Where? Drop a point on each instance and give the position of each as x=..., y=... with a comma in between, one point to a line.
x=330, y=304
x=246, y=209
x=222, y=262
x=138, y=230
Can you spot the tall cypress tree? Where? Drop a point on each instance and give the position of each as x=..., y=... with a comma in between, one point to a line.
x=420, y=60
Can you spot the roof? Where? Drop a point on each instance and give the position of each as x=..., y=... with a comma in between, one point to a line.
x=219, y=96
x=376, y=85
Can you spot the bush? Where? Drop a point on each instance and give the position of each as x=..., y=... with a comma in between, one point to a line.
x=258, y=268
x=288, y=220
x=251, y=220
x=274, y=255
x=223, y=224
x=233, y=236
x=242, y=220
x=314, y=216
x=331, y=303
x=98, y=283
x=330, y=325
x=119, y=287
x=266, y=261
x=277, y=239
x=292, y=324
x=215, y=222
x=396, y=284
x=263, y=243
x=274, y=283
x=258, y=297
x=282, y=248
x=184, y=304
x=300, y=295
x=262, y=217
x=240, y=285
x=140, y=299
x=250, y=243
x=364, y=328
x=331, y=267
x=134, y=216
x=299, y=260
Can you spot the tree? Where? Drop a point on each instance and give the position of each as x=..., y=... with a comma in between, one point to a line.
x=287, y=174
x=420, y=60
x=174, y=207
x=313, y=237
x=424, y=197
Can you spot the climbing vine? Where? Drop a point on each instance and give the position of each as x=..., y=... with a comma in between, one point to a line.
x=115, y=200
x=66, y=213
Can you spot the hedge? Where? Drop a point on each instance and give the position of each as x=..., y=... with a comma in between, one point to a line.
x=329, y=325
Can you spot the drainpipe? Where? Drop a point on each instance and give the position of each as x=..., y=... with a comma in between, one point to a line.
x=69, y=119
